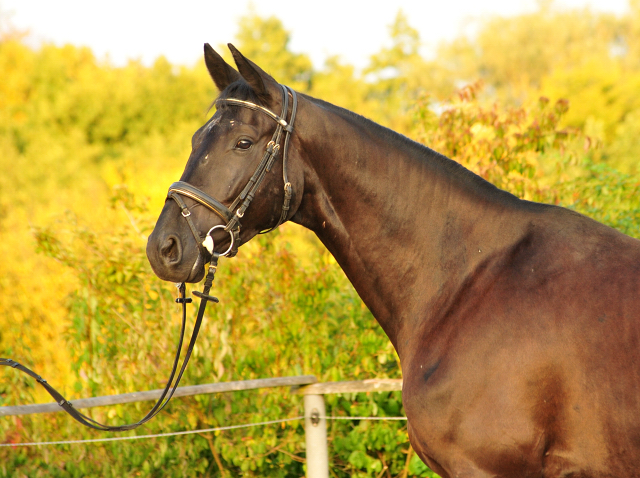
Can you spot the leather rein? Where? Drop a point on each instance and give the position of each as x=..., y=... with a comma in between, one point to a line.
x=231, y=215
x=169, y=388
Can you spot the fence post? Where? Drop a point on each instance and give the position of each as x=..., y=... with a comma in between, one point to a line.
x=315, y=429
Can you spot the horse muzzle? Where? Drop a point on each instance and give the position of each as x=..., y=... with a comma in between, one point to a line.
x=172, y=259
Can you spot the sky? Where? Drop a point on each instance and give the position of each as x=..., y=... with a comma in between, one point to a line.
x=353, y=29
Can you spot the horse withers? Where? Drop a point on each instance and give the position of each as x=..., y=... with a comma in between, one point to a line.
x=517, y=324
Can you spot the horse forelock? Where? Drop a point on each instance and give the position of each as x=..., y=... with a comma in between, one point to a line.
x=239, y=90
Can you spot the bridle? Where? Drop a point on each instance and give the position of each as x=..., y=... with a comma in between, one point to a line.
x=231, y=215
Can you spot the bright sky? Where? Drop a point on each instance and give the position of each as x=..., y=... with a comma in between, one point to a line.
x=177, y=29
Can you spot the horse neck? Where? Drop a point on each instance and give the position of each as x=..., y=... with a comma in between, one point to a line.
x=407, y=225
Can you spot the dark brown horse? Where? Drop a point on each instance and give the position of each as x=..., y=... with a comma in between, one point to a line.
x=517, y=324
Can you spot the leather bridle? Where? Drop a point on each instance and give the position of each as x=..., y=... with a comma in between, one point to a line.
x=233, y=214
x=231, y=217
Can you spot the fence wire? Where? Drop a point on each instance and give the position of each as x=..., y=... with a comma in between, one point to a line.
x=365, y=418
x=158, y=435
x=188, y=432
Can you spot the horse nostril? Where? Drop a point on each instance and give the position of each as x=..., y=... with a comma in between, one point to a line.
x=171, y=250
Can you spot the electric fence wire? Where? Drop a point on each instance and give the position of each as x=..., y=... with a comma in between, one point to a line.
x=158, y=435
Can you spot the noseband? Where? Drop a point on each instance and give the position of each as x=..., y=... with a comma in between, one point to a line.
x=231, y=215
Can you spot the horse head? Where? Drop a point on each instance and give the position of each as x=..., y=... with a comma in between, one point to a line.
x=236, y=156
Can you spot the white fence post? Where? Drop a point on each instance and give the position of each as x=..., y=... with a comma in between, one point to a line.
x=315, y=429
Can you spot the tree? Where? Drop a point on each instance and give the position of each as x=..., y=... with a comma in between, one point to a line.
x=396, y=76
x=267, y=41
x=514, y=54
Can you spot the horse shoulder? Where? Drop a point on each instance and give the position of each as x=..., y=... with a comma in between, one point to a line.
x=515, y=362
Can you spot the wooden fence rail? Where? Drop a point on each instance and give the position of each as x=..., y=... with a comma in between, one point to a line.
x=155, y=394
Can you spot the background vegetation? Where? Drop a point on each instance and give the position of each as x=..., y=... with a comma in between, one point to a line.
x=87, y=151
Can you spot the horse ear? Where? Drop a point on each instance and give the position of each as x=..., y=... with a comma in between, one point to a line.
x=262, y=83
x=221, y=73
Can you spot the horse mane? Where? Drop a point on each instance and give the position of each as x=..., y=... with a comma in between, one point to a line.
x=425, y=156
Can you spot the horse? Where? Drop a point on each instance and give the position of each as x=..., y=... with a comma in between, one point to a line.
x=517, y=323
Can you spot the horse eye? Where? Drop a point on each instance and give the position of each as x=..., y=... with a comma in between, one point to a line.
x=243, y=144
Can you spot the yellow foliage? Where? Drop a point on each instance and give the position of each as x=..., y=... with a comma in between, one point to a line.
x=75, y=132
x=601, y=90
x=503, y=145
x=624, y=150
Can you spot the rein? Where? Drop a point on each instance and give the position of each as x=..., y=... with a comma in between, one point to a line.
x=169, y=388
x=231, y=216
